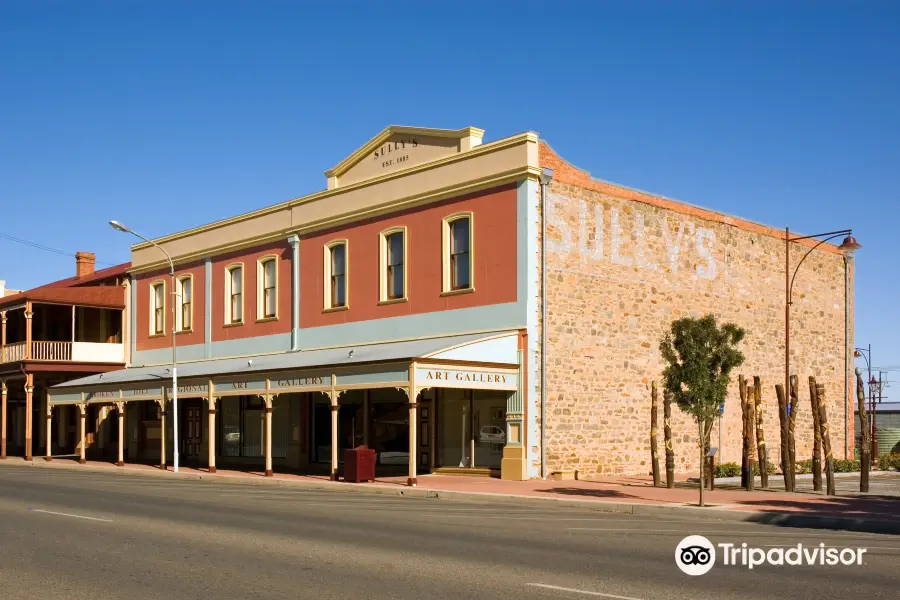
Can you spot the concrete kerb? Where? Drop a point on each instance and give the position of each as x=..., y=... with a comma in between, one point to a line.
x=784, y=519
x=804, y=476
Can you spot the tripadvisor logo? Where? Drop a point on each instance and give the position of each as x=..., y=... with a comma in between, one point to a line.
x=696, y=555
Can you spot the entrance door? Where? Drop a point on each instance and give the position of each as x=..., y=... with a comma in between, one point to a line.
x=193, y=432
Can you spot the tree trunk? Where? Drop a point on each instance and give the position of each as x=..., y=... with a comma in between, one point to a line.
x=817, y=438
x=792, y=427
x=783, y=421
x=701, y=444
x=749, y=411
x=654, y=450
x=667, y=432
x=826, y=441
x=760, y=435
x=742, y=390
x=865, y=455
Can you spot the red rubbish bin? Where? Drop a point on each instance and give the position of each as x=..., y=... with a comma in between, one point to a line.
x=359, y=464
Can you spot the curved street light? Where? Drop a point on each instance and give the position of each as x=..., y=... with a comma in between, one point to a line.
x=848, y=247
x=125, y=229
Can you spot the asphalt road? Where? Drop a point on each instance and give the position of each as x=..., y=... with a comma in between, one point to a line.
x=73, y=535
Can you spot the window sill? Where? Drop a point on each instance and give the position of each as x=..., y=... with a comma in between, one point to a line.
x=238, y=324
x=393, y=301
x=266, y=319
x=184, y=331
x=336, y=309
x=156, y=335
x=467, y=290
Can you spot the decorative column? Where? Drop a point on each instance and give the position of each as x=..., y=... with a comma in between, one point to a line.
x=3, y=392
x=120, y=413
x=413, y=426
x=162, y=431
x=49, y=436
x=29, y=416
x=82, y=413
x=28, y=315
x=268, y=401
x=332, y=395
x=211, y=444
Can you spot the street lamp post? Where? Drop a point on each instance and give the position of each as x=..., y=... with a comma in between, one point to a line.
x=120, y=227
x=848, y=247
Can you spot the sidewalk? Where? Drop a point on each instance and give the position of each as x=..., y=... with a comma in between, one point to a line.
x=634, y=495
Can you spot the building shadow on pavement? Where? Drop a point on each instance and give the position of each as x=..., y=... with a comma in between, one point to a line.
x=869, y=514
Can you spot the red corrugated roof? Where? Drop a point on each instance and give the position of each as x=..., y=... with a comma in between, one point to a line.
x=81, y=291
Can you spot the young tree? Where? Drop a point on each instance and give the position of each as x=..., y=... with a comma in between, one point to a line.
x=700, y=356
x=654, y=451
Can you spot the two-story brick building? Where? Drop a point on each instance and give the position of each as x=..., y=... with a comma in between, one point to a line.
x=401, y=307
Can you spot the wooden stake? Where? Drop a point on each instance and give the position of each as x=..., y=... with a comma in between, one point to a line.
x=792, y=427
x=760, y=435
x=817, y=438
x=742, y=391
x=783, y=421
x=654, y=450
x=826, y=440
x=667, y=432
x=749, y=412
x=865, y=456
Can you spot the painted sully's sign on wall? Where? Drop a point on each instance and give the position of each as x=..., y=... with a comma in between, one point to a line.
x=628, y=237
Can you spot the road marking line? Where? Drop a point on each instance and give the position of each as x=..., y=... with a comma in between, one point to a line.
x=577, y=591
x=50, y=512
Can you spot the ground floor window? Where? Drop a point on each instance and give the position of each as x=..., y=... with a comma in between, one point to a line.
x=471, y=428
x=243, y=426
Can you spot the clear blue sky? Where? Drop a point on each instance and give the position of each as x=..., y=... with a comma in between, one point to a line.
x=167, y=115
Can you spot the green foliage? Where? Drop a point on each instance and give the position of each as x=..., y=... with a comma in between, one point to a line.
x=888, y=462
x=728, y=469
x=700, y=356
x=731, y=469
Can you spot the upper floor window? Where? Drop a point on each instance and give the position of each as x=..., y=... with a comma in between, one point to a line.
x=234, y=297
x=457, y=238
x=185, y=313
x=267, y=300
x=393, y=264
x=157, y=308
x=336, y=275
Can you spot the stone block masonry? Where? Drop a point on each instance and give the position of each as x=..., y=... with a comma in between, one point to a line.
x=622, y=265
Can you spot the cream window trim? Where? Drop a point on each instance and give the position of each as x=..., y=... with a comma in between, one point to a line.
x=326, y=283
x=227, y=308
x=383, y=296
x=154, y=306
x=446, y=241
x=179, y=303
x=261, y=288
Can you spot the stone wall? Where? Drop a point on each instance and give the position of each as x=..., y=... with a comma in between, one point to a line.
x=622, y=265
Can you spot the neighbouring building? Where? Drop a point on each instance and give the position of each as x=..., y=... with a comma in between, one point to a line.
x=401, y=308
x=54, y=333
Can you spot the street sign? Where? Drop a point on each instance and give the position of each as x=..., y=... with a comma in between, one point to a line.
x=712, y=452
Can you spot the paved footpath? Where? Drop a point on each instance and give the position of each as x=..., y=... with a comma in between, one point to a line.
x=874, y=512
x=85, y=533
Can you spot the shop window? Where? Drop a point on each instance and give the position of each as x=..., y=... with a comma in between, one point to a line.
x=457, y=253
x=185, y=304
x=234, y=297
x=157, y=308
x=337, y=276
x=393, y=274
x=243, y=427
x=267, y=294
